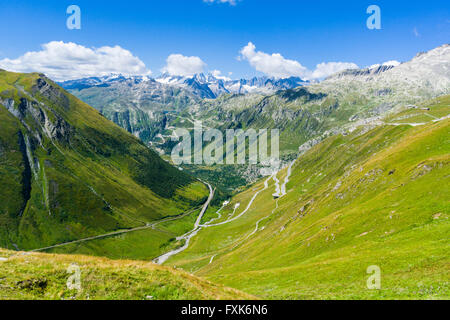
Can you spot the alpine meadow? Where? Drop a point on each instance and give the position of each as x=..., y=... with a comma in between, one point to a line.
x=225, y=150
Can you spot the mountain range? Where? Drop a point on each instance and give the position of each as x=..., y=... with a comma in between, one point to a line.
x=211, y=87
x=141, y=104
x=373, y=196
x=363, y=183
x=200, y=85
x=304, y=112
x=306, y=115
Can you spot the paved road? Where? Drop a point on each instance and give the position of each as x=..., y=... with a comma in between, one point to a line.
x=188, y=236
x=205, y=206
x=266, y=185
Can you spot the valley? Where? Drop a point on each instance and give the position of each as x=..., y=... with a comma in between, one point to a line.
x=344, y=211
x=363, y=181
x=304, y=112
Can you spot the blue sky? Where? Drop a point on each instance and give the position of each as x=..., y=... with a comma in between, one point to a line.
x=306, y=32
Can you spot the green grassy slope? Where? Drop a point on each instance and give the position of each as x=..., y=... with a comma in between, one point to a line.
x=145, y=244
x=44, y=276
x=68, y=173
x=376, y=196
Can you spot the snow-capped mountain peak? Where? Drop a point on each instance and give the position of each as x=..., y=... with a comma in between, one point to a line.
x=210, y=86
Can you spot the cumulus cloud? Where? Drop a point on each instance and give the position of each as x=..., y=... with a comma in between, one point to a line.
x=67, y=61
x=218, y=75
x=394, y=63
x=179, y=65
x=326, y=69
x=275, y=65
x=231, y=2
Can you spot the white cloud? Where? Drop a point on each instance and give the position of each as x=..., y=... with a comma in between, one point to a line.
x=416, y=32
x=275, y=65
x=394, y=63
x=231, y=2
x=326, y=69
x=218, y=75
x=65, y=61
x=179, y=65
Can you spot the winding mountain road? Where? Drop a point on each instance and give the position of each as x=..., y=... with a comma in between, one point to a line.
x=280, y=191
x=197, y=227
x=188, y=236
x=266, y=185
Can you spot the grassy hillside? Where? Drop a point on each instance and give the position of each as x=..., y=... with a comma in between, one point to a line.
x=43, y=276
x=377, y=195
x=145, y=244
x=69, y=173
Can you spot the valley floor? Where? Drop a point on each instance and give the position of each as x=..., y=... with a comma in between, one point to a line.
x=377, y=196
